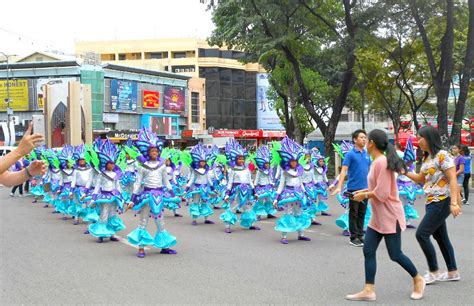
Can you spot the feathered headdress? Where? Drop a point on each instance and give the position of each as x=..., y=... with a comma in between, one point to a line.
x=343, y=148
x=263, y=157
x=233, y=150
x=198, y=154
x=108, y=152
x=51, y=157
x=289, y=151
x=81, y=153
x=410, y=153
x=66, y=155
x=211, y=155
x=147, y=139
x=173, y=155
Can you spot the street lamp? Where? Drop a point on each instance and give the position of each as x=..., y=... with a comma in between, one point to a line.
x=8, y=100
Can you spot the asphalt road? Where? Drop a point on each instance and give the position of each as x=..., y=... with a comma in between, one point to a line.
x=45, y=260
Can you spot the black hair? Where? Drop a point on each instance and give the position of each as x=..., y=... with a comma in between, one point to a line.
x=380, y=139
x=432, y=137
x=465, y=150
x=398, y=145
x=356, y=133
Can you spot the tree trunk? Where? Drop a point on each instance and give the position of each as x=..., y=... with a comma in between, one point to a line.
x=465, y=79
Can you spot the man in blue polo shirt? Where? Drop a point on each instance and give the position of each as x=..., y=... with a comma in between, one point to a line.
x=356, y=166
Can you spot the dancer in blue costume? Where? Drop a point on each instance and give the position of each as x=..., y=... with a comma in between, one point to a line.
x=291, y=193
x=219, y=181
x=37, y=183
x=407, y=189
x=320, y=168
x=309, y=182
x=107, y=193
x=199, y=189
x=171, y=157
x=264, y=184
x=130, y=174
x=240, y=190
x=149, y=196
x=51, y=181
x=81, y=178
x=64, y=200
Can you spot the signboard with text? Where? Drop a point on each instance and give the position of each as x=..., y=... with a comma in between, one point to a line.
x=123, y=95
x=174, y=100
x=17, y=92
x=151, y=99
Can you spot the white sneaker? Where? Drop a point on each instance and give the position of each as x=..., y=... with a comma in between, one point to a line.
x=444, y=277
x=466, y=203
x=430, y=278
x=12, y=195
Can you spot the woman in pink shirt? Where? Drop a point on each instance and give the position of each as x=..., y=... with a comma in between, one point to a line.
x=388, y=217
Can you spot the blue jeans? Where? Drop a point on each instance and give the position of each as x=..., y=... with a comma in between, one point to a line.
x=434, y=223
x=394, y=248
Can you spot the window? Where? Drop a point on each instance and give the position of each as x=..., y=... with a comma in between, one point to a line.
x=194, y=107
x=156, y=55
x=178, y=69
x=122, y=56
x=179, y=54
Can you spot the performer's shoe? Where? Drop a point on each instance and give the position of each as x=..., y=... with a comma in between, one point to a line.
x=113, y=238
x=303, y=238
x=254, y=228
x=208, y=222
x=86, y=232
x=46, y=206
x=141, y=254
x=76, y=222
x=326, y=214
x=271, y=217
x=411, y=226
x=284, y=241
x=64, y=218
x=346, y=233
x=177, y=215
x=168, y=251
x=194, y=223
x=315, y=223
x=228, y=230
x=217, y=207
x=100, y=240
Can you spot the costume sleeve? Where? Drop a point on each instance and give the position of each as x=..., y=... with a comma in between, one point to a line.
x=164, y=175
x=192, y=177
x=282, y=183
x=138, y=182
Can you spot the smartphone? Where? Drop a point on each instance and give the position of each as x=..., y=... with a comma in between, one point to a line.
x=348, y=194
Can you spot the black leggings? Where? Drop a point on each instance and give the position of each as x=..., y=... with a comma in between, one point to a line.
x=394, y=248
x=19, y=187
x=465, y=185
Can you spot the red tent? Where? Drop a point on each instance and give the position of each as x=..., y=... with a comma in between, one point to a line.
x=403, y=138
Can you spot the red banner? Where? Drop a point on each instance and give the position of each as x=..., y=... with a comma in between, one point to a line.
x=151, y=99
x=226, y=133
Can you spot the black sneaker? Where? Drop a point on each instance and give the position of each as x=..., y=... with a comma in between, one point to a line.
x=356, y=243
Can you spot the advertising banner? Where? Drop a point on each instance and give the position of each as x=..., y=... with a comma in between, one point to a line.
x=267, y=118
x=17, y=92
x=123, y=95
x=151, y=99
x=174, y=100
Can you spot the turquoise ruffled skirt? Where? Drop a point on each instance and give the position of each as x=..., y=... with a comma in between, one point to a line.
x=290, y=223
x=202, y=209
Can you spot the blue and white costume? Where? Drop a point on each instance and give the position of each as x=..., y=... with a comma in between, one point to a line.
x=264, y=184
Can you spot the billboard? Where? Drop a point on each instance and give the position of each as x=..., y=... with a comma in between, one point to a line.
x=151, y=99
x=123, y=95
x=267, y=118
x=174, y=100
x=17, y=93
x=162, y=124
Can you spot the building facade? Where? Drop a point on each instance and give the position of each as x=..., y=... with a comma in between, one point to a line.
x=230, y=86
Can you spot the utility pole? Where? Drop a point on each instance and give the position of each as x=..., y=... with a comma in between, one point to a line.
x=8, y=101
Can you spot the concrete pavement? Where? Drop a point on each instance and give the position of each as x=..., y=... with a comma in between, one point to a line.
x=45, y=260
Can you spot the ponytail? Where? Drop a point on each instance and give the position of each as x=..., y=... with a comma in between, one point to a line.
x=380, y=139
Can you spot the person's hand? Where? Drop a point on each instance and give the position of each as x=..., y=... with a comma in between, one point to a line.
x=37, y=167
x=335, y=190
x=402, y=171
x=359, y=196
x=455, y=210
x=226, y=199
x=83, y=197
x=29, y=141
x=70, y=195
x=275, y=204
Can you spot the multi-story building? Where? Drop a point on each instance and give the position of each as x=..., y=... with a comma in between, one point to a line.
x=230, y=86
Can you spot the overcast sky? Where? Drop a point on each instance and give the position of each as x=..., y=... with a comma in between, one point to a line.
x=28, y=25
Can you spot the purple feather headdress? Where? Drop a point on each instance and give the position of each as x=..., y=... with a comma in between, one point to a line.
x=147, y=139
x=198, y=154
x=79, y=152
x=108, y=152
x=66, y=155
x=263, y=157
x=289, y=151
x=233, y=150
